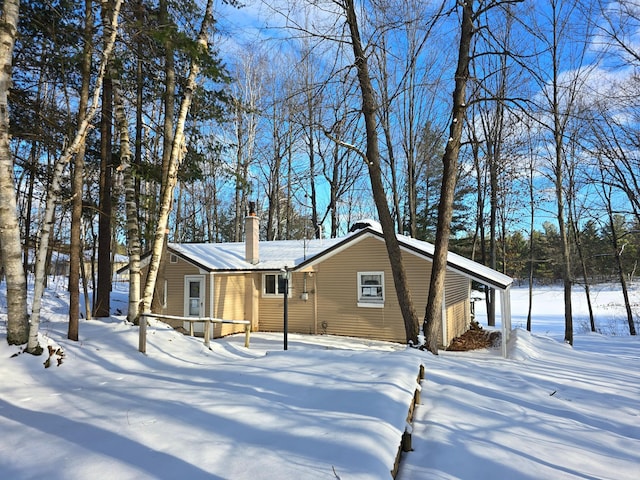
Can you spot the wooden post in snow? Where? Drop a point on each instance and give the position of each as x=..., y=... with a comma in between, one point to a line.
x=142, y=337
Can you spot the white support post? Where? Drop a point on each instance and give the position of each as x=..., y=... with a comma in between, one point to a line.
x=505, y=318
x=445, y=325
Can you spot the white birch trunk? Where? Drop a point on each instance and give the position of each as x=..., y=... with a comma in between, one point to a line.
x=17, y=316
x=53, y=194
x=177, y=154
x=133, y=229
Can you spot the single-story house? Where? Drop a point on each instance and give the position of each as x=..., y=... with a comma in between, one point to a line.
x=338, y=286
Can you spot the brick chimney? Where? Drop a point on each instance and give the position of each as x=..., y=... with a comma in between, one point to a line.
x=251, y=232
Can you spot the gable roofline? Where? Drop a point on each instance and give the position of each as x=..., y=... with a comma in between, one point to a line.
x=336, y=248
x=145, y=259
x=455, y=262
x=187, y=258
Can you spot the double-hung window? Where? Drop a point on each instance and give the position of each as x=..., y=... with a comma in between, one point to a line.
x=273, y=284
x=371, y=289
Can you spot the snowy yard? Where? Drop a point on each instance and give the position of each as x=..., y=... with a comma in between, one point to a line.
x=328, y=407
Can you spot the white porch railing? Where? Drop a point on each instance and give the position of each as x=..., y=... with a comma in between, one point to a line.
x=208, y=321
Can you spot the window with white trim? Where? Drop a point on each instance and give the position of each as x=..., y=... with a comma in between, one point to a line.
x=273, y=284
x=371, y=289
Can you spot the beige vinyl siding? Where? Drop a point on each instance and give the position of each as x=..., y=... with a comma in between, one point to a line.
x=229, y=296
x=337, y=290
x=229, y=302
x=174, y=275
x=331, y=305
x=456, y=323
x=457, y=305
x=337, y=294
x=301, y=312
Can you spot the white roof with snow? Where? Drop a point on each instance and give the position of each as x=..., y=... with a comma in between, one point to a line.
x=274, y=255
x=460, y=264
x=293, y=254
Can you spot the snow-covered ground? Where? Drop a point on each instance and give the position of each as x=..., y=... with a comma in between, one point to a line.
x=328, y=407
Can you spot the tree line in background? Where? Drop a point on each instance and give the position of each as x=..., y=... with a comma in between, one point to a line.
x=137, y=123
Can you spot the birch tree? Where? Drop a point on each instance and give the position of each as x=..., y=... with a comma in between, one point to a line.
x=176, y=157
x=133, y=229
x=76, y=254
x=53, y=194
x=10, y=245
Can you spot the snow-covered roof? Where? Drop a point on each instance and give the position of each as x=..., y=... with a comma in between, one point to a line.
x=458, y=263
x=462, y=265
x=274, y=255
x=296, y=254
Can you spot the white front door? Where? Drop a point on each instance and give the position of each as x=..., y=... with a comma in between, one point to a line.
x=194, y=299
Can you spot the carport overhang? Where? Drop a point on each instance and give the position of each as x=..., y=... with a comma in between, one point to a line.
x=479, y=273
x=501, y=283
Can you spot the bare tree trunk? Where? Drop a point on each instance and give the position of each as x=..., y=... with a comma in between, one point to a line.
x=585, y=276
x=433, y=314
x=102, y=298
x=167, y=138
x=311, y=107
x=85, y=280
x=493, y=211
x=479, y=235
x=289, y=191
x=240, y=179
x=618, y=249
x=393, y=172
x=75, y=254
x=573, y=221
x=133, y=229
x=140, y=48
x=33, y=160
x=385, y=123
x=177, y=155
x=532, y=175
x=493, y=127
x=564, y=240
x=625, y=291
x=409, y=316
x=53, y=194
x=17, y=317
x=563, y=100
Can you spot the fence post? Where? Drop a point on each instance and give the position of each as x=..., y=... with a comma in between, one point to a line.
x=142, y=334
x=207, y=332
x=247, y=331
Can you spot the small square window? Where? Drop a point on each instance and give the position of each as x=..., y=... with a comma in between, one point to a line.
x=274, y=284
x=173, y=258
x=371, y=289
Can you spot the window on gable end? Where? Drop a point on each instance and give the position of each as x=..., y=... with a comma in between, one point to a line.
x=371, y=289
